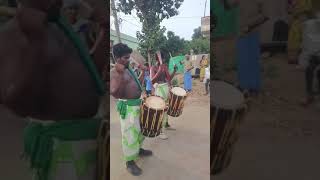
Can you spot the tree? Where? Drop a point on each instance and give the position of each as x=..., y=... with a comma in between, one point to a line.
x=200, y=46
x=197, y=33
x=151, y=13
x=174, y=44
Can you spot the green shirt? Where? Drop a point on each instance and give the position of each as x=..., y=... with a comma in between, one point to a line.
x=227, y=20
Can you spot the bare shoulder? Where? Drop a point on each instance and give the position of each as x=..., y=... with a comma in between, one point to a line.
x=13, y=46
x=113, y=73
x=11, y=38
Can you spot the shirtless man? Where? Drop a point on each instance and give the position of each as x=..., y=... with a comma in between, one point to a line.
x=161, y=78
x=126, y=87
x=43, y=79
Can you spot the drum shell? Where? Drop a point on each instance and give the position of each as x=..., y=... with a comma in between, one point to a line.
x=223, y=136
x=103, y=152
x=176, y=104
x=151, y=121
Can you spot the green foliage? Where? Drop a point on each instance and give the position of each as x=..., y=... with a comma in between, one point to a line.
x=197, y=33
x=151, y=13
x=174, y=44
x=178, y=46
x=200, y=45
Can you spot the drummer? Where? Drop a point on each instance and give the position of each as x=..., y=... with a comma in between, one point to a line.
x=161, y=78
x=126, y=87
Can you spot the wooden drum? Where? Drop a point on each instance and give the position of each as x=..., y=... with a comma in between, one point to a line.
x=103, y=157
x=228, y=109
x=152, y=111
x=177, y=95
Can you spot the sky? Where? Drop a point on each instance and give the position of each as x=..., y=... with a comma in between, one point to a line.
x=189, y=18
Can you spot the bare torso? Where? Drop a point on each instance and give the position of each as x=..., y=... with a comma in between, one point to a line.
x=44, y=78
x=128, y=89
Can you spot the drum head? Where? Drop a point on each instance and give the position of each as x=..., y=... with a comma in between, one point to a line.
x=224, y=95
x=178, y=91
x=155, y=102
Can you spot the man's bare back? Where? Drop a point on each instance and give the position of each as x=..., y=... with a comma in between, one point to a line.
x=41, y=74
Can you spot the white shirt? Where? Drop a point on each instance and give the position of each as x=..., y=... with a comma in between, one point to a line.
x=207, y=74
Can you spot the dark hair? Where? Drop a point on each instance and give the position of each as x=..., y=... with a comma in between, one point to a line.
x=146, y=64
x=120, y=50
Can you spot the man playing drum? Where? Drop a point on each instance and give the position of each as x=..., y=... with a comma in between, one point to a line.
x=125, y=86
x=161, y=78
x=48, y=78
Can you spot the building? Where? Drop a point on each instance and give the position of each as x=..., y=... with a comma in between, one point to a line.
x=205, y=26
x=126, y=39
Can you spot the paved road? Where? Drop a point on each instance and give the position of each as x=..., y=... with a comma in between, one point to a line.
x=184, y=156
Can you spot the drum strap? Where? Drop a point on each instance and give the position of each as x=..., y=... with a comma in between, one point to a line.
x=122, y=106
x=83, y=53
x=161, y=89
x=135, y=78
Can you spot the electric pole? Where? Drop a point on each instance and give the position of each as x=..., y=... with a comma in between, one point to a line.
x=116, y=22
x=205, y=7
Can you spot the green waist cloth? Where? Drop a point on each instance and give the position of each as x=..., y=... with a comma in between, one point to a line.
x=122, y=106
x=39, y=139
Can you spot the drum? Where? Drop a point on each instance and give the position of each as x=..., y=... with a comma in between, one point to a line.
x=177, y=95
x=152, y=111
x=228, y=109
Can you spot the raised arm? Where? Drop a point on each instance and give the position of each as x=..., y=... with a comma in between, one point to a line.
x=95, y=10
x=153, y=75
x=141, y=77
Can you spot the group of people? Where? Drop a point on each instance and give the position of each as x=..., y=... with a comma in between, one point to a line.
x=301, y=11
x=236, y=38
x=130, y=82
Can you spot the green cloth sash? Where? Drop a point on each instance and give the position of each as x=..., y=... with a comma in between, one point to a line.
x=161, y=88
x=39, y=140
x=83, y=52
x=122, y=106
x=135, y=78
